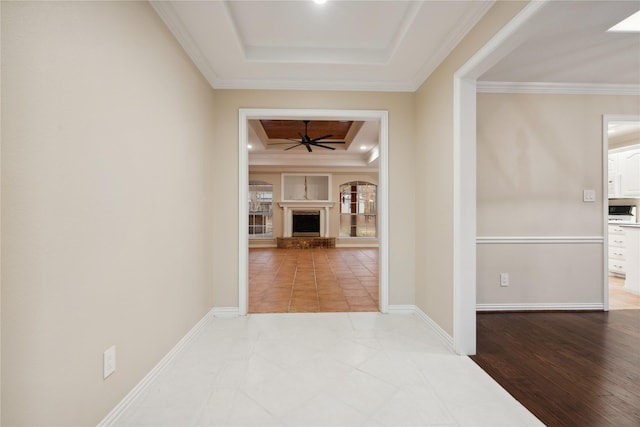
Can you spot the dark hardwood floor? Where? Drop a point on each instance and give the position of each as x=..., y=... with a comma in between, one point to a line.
x=568, y=369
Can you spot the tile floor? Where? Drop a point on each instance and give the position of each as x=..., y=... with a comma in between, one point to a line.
x=322, y=369
x=313, y=280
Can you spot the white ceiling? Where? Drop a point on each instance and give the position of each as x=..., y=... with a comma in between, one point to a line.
x=388, y=46
x=341, y=45
x=570, y=44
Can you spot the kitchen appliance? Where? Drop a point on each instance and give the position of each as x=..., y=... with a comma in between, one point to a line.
x=622, y=214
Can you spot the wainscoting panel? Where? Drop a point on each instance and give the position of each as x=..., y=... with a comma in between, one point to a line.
x=554, y=272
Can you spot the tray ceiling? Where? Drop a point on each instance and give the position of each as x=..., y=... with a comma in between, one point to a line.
x=341, y=45
x=391, y=45
x=385, y=46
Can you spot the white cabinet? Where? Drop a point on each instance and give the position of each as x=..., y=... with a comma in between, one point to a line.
x=629, y=167
x=617, y=250
x=623, y=179
x=613, y=187
x=632, y=276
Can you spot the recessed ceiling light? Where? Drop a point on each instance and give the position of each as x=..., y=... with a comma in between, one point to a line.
x=628, y=25
x=249, y=146
x=319, y=1
x=363, y=147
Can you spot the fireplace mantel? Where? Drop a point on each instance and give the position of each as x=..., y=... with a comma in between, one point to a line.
x=322, y=206
x=304, y=204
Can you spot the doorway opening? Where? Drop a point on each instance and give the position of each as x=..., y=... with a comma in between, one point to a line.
x=379, y=118
x=621, y=172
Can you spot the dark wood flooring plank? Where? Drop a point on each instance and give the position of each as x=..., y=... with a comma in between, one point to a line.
x=568, y=369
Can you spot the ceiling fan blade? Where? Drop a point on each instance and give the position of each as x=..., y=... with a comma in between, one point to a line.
x=322, y=137
x=282, y=143
x=308, y=147
x=294, y=140
x=332, y=142
x=323, y=146
x=297, y=145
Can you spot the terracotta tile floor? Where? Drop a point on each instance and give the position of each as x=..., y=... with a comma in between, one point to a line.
x=313, y=280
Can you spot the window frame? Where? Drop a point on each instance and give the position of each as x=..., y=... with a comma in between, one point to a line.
x=363, y=213
x=265, y=211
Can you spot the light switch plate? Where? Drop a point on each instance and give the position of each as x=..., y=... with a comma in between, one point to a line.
x=589, y=195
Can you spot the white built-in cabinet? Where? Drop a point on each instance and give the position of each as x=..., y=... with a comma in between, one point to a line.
x=629, y=166
x=617, y=250
x=624, y=172
x=632, y=270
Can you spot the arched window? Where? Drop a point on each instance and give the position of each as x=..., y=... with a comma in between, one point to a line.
x=260, y=210
x=358, y=209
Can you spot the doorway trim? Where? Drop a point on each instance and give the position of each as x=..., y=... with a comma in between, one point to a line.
x=246, y=114
x=465, y=78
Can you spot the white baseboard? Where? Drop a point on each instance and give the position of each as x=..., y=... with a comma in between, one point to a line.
x=225, y=311
x=539, y=306
x=116, y=412
x=402, y=309
x=357, y=245
x=412, y=309
x=267, y=246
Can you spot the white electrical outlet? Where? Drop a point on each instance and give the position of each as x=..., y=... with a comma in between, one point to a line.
x=109, y=361
x=504, y=279
x=589, y=195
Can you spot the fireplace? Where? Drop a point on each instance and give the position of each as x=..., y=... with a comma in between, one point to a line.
x=319, y=208
x=305, y=224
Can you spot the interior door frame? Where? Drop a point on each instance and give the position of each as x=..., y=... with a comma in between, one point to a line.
x=519, y=29
x=606, y=118
x=246, y=114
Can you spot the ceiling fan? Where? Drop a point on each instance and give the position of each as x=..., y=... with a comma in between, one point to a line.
x=308, y=142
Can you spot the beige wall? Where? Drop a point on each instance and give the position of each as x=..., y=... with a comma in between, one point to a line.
x=106, y=204
x=401, y=178
x=120, y=187
x=433, y=155
x=535, y=156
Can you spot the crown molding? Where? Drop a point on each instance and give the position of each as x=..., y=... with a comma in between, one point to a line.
x=447, y=46
x=558, y=88
x=166, y=12
x=348, y=86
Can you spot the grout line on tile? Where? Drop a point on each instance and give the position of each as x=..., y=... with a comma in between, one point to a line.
x=293, y=285
x=315, y=279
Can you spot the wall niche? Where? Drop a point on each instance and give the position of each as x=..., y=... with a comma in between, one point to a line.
x=298, y=186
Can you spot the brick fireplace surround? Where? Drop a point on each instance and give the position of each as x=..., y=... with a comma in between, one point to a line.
x=306, y=242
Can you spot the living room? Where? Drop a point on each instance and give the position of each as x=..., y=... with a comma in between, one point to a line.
x=313, y=187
